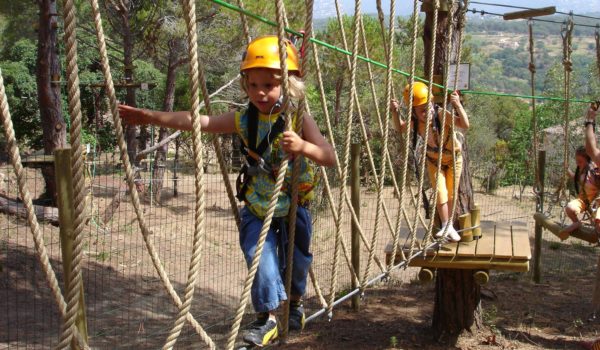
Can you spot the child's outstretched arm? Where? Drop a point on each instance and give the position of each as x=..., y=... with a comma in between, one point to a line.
x=590, y=136
x=399, y=125
x=314, y=146
x=181, y=120
x=462, y=121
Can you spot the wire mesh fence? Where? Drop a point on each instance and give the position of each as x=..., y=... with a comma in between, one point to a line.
x=126, y=303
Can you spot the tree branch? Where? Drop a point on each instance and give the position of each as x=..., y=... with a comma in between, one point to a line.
x=174, y=135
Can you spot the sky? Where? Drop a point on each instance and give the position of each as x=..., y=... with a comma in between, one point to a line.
x=326, y=8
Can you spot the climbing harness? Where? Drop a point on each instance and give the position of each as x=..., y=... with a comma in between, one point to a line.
x=254, y=162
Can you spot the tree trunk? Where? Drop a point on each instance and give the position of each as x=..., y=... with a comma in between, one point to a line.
x=457, y=304
x=158, y=170
x=14, y=207
x=48, y=69
x=457, y=296
x=130, y=130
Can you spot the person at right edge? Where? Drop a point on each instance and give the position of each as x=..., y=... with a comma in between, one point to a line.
x=436, y=147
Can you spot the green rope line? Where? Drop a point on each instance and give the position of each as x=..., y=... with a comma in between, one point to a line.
x=382, y=65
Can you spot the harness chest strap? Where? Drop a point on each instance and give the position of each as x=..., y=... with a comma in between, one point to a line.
x=253, y=155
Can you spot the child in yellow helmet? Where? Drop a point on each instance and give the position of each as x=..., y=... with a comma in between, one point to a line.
x=261, y=81
x=448, y=148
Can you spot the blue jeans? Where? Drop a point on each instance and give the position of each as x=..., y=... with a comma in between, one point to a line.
x=268, y=289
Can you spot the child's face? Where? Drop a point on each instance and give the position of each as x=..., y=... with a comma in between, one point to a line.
x=421, y=112
x=581, y=161
x=263, y=89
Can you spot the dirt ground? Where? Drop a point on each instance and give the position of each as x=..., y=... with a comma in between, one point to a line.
x=518, y=314
x=128, y=308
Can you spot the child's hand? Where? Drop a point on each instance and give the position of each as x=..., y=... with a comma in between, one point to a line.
x=292, y=143
x=455, y=99
x=131, y=115
x=591, y=115
x=395, y=106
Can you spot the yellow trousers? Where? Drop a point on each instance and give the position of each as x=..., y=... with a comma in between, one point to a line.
x=445, y=183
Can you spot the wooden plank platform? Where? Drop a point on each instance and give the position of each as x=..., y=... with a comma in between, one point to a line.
x=503, y=246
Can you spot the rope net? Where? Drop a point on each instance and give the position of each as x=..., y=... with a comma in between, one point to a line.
x=151, y=266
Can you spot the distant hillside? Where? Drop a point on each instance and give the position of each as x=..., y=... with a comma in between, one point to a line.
x=500, y=56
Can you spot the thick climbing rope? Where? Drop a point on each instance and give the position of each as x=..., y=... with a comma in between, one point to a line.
x=279, y=183
x=412, y=229
x=363, y=131
x=534, y=118
x=146, y=232
x=73, y=288
x=303, y=110
x=429, y=116
x=597, y=37
x=430, y=112
x=244, y=22
x=567, y=35
x=38, y=238
x=189, y=9
x=398, y=190
x=330, y=137
x=442, y=146
x=461, y=30
x=388, y=101
x=346, y=155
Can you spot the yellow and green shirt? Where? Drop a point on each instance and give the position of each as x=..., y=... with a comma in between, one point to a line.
x=262, y=186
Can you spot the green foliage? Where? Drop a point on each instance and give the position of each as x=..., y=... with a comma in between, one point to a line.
x=18, y=71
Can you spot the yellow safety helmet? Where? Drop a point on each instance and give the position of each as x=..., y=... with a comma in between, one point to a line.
x=420, y=94
x=263, y=52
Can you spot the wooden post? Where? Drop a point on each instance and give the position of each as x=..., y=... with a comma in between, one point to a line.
x=476, y=222
x=464, y=221
x=66, y=215
x=537, y=249
x=355, y=198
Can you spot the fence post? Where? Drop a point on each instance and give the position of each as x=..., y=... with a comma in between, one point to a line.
x=355, y=198
x=537, y=254
x=66, y=211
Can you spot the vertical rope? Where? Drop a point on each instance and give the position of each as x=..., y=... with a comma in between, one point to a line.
x=344, y=173
x=398, y=190
x=304, y=110
x=244, y=22
x=388, y=99
x=135, y=200
x=363, y=131
x=189, y=9
x=567, y=35
x=534, y=118
x=74, y=286
x=442, y=146
x=461, y=29
x=429, y=115
x=279, y=183
x=597, y=37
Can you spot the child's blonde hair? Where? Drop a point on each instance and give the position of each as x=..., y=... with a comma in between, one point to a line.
x=296, y=85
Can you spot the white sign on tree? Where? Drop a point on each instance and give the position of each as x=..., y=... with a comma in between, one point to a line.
x=464, y=76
